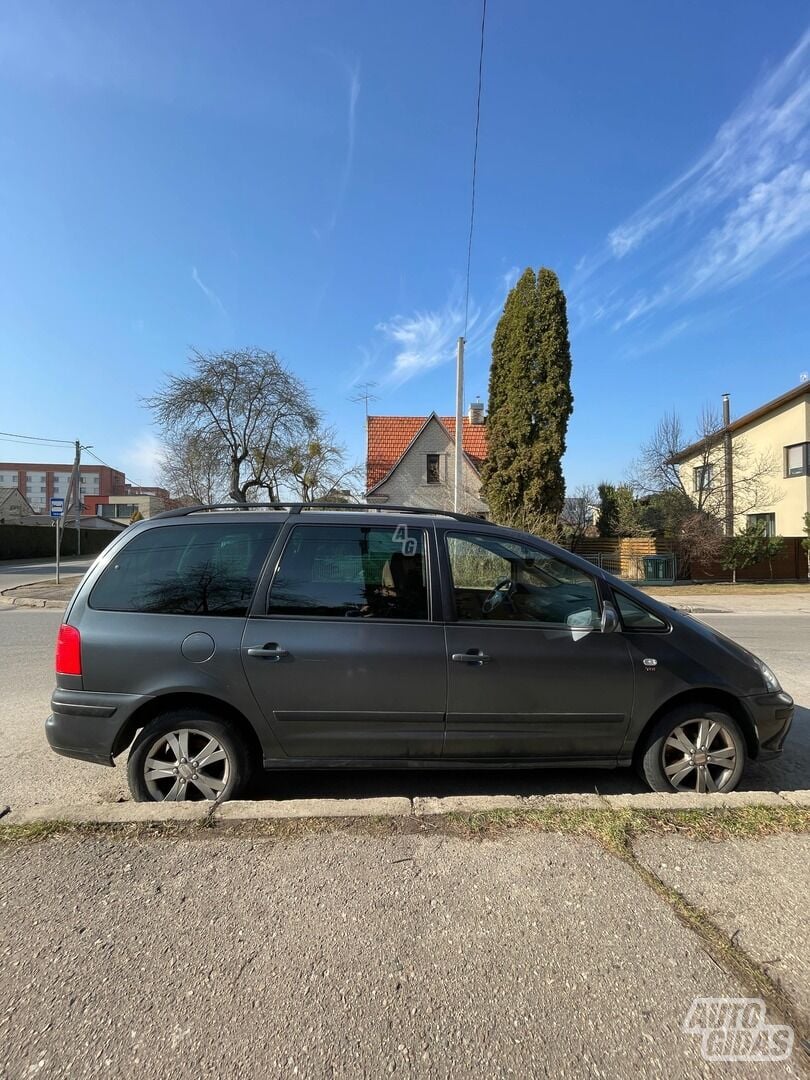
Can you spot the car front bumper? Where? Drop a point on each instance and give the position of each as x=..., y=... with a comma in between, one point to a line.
x=772, y=715
x=88, y=726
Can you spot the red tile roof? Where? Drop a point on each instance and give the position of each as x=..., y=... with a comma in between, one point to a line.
x=390, y=436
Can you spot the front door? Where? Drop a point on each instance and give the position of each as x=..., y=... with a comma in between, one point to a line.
x=345, y=661
x=530, y=673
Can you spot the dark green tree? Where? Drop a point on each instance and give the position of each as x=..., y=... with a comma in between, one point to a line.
x=530, y=402
x=619, y=512
x=744, y=549
x=608, y=510
x=773, y=548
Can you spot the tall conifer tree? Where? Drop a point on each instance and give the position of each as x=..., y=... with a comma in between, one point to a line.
x=530, y=402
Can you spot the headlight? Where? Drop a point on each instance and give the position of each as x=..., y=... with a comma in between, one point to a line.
x=771, y=680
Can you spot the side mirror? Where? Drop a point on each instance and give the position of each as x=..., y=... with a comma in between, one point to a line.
x=610, y=618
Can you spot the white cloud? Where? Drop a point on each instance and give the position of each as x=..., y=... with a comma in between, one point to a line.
x=352, y=73
x=423, y=340
x=769, y=129
x=766, y=219
x=426, y=339
x=210, y=295
x=742, y=204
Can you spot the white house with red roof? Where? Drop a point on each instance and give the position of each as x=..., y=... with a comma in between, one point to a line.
x=410, y=460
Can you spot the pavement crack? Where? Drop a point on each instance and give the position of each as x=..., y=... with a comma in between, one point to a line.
x=724, y=951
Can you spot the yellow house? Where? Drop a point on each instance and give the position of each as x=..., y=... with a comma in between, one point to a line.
x=767, y=455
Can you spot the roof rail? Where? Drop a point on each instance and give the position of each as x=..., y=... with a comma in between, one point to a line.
x=298, y=507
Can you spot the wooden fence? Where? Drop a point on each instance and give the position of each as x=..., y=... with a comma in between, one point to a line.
x=625, y=554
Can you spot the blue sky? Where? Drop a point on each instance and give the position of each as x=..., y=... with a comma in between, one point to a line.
x=295, y=176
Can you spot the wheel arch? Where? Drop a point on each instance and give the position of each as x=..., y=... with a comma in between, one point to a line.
x=215, y=707
x=721, y=699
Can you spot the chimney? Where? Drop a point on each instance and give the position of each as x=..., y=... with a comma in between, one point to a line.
x=476, y=412
x=728, y=468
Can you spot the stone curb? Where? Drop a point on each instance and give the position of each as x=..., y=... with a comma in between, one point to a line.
x=400, y=807
x=244, y=810
x=32, y=602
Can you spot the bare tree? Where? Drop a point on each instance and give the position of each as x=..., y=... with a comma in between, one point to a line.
x=246, y=403
x=579, y=513
x=317, y=466
x=671, y=461
x=193, y=465
x=700, y=542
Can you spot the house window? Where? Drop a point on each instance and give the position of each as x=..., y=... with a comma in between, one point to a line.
x=797, y=459
x=766, y=520
x=702, y=476
x=434, y=469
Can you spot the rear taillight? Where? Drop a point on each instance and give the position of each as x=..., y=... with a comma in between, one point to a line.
x=68, y=651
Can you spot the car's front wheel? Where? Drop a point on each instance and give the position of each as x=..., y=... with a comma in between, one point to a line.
x=693, y=748
x=187, y=755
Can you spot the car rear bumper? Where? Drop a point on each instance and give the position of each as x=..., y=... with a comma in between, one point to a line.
x=772, y=715
x=87, y=726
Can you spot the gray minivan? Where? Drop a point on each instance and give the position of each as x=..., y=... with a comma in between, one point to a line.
x=215, y=640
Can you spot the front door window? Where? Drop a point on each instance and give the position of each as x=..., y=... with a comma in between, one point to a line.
x=499, y=580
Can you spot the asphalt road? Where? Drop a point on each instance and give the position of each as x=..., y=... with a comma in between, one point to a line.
x=25, y=571
x=344, y=955
x=30, y=774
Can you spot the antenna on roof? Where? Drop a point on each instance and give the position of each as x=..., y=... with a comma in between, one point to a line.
x=364, y=395
x=804, y=376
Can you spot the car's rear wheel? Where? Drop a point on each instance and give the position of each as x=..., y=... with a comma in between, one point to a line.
x=694, y=748
x=187, y=755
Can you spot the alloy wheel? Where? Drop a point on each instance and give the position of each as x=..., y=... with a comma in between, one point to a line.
x=186, y=764
x=699, y=756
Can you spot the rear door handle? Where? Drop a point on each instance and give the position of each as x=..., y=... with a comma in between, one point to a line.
x=270, y=652
x=471, y=657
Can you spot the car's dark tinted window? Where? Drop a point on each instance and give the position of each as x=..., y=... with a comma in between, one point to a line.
x=636, y=617
x=506, y=581
x=352, y=570
x=199, y=569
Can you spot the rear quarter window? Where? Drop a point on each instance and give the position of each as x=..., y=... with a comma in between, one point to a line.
x=199, y=569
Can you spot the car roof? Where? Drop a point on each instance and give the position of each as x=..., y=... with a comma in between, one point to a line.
x=318, y=511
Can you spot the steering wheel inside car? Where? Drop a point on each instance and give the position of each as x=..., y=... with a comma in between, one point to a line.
x=504, y=590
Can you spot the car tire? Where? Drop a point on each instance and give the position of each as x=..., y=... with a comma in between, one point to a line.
x=188, y=755
x=673, y=756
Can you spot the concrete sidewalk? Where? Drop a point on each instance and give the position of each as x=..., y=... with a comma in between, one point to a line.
x=341, y=955
x=42, y=594
x=768, y=602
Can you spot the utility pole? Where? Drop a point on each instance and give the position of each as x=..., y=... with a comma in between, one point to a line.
x=74, y=493
x=459, y=458
x=728, y=467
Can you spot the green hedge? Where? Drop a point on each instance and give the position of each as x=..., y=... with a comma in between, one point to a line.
x=39, y=542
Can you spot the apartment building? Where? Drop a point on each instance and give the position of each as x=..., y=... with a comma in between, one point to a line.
x=40, y=483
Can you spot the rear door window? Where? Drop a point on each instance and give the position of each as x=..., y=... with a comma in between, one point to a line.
x=352, y=571
x=199, y=569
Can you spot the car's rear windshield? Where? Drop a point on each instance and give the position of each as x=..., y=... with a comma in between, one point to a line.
x=199, y=569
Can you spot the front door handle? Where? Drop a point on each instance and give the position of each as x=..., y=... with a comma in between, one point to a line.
x=271, y=651
x=471, y=657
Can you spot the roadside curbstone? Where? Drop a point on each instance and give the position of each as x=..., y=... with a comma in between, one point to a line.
x=112, y=813
x=30, y=602
x=433, y=806
x=566, y=801
x=126, y=813
x=797, y=798
x=651, y=800
x=259, y=810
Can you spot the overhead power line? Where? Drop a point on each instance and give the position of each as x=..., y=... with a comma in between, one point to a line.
x=475, y=164
x=10, y=436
